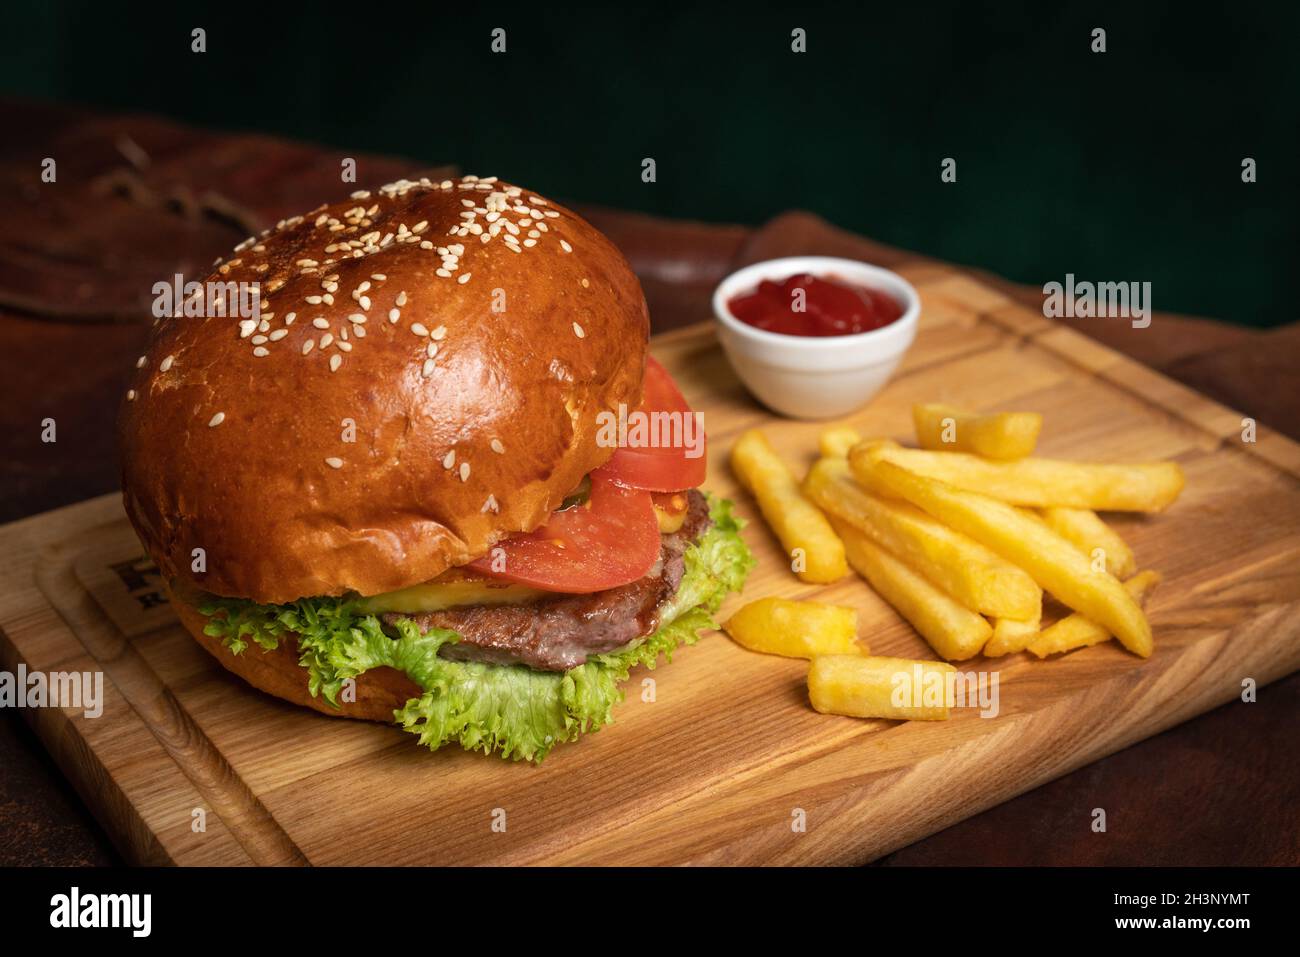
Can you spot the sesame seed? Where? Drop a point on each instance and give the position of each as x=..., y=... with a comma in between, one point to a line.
x=139, y=363
x=336, y=360
x=334, y=463
x=442, y=273
x=577, y=331
x=419, y=329
x=427, y=369
x=288, y=319
x=314, y=300
x=320, y=322
x=326, y=339
x=278, y=335
x=359, y=331
x=431, y=349
x=261, y=351
x=490, y=505
x=258, y=340
x=130, y=395
x=449, y=459
x=307, y=346
x=439, y=333
x=401, y=298
x=565, y=246
x=464, y=279
x=246, y=328
x=356, y=317
x=166, y=363
x=379, y=277
x=216, y=420
x=394, y=315
x=585, y=284
x=345, y=346
x=464, y=471
x=365, y=302
x=497, y=447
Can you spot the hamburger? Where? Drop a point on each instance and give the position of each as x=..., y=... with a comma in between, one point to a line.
x=426, y=482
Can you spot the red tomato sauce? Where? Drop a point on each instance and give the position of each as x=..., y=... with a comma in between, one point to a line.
x=830, y=307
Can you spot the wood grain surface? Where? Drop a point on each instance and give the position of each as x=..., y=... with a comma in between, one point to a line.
x=714, y=769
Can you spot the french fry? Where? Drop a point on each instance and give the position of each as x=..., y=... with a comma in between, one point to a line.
x=835, y=442
x=1078, y=631
x=870, y=687
x=1042, y=483
x=1084, y=529
x=953, y=631
x=1011, y=635
x=796, y=629
x=998, y=435
x=958, y=565
x=795, y=520
x=1022, y=539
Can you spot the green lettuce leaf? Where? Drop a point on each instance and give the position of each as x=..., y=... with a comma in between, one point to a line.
x=511, y=709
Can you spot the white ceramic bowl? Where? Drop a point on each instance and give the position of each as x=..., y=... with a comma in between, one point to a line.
x=815, y=377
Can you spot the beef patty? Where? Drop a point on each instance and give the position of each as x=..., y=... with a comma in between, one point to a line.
x=558, y=633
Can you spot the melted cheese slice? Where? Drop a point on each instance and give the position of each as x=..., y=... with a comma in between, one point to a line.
x=438, y=595
x=670, y=521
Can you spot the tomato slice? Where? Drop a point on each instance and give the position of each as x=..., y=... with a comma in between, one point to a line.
x=610, y=540
x=647, y=463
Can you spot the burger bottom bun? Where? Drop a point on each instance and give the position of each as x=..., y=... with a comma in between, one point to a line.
x=378, y=693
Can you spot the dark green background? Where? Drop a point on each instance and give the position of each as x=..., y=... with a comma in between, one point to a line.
x=1122, y=166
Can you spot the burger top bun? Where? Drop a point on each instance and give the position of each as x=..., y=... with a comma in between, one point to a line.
x=423, y=380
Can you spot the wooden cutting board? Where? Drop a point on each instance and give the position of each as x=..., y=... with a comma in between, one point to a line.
x=728, y=755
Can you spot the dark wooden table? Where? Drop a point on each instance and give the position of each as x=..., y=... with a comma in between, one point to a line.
x=137, y=199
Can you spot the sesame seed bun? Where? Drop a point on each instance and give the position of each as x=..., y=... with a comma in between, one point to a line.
x=409, y=395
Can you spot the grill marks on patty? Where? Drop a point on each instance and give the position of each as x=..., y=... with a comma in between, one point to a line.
x=556, y=634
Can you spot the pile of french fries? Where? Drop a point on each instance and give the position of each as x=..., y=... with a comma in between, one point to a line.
x=962, y=537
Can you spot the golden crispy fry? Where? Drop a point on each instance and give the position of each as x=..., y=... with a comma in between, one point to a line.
x=1083, y=529
x=836, y=441
x=1042, y=483
x=796, y=629
x=867, y=687
x=953, y=631
x=1023, y=539
x=1077, y=631
x=999, y=435
x=958, y=565
x=795, y=520
x=1011, y=635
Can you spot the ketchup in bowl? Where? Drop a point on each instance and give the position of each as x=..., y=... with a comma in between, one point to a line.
x=830, y=307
